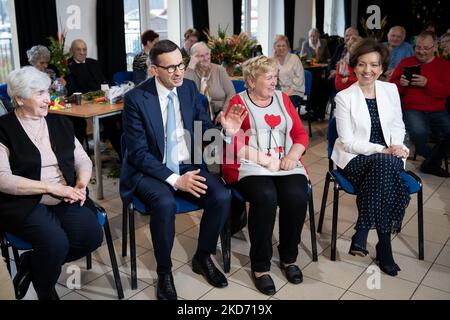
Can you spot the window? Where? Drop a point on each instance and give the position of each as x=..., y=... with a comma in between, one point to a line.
x=132, y=30
x=249, y=20
x=6, y=53
x=157, y=19
x=141, y=15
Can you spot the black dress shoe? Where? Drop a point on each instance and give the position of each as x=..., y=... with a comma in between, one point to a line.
x=22, y=279
x=293, y=273
x=207, y=268
x=166, y=288
x=264, y=284
x=435, y=171
x=356, y=249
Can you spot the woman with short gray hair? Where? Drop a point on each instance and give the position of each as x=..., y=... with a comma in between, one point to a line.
x=211, y=79
x=39, y=57
x=44, y=173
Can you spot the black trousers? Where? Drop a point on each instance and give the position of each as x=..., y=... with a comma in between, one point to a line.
x=58, y=234
x=160, y=198
x=264, y=194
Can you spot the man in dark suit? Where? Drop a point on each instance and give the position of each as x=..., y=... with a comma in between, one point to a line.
x=158, y=118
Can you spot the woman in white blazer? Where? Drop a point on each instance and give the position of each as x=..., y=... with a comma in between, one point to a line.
x=370, y=151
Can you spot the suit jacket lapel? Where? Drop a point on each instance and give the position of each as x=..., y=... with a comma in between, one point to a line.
x=186, y=108
x=152, y=111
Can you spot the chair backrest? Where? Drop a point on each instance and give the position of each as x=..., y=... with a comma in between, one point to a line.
x=4, y=91
x=239, y=85
x=332, y=135
x=3, y=109
x=308, y=82
x=122, y=76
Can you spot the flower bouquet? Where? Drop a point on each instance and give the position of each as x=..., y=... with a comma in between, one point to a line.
x=230, y=51
x=58, y=56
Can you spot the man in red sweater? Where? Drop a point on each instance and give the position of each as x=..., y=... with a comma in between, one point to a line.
x=423, y=102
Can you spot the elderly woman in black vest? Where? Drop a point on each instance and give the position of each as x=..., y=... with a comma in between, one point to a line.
x=44, y=173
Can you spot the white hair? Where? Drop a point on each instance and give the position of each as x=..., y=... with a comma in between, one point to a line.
x=315, y=30
x=36, y=53
x=197, y=46
x=22, y=81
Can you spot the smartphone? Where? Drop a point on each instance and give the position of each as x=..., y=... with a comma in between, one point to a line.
x=408, y=72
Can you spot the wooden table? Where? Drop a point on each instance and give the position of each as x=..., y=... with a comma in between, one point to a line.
x=96, y=111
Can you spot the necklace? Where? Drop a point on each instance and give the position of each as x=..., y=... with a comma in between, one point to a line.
x=33, y=127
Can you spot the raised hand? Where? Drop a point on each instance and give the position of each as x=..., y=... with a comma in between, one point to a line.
x=233, y=120
x=192, y=182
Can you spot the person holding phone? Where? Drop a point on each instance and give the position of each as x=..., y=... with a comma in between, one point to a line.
x=423, y=102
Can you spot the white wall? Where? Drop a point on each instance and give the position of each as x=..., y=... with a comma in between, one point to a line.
x=276, y=22
x=303, y=21
x=220, y=14
x=87, y=29
x=186, y=19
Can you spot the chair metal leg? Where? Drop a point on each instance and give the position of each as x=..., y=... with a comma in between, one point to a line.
x=5, y=255
x=16, y=256
x=89, y=261
x=309, y=128
x=225, y=239
x=420, y=222
x=132, y=247
x=335, y=220
x=112, y=256
x=124, y=231
x=312, y=226
x=324, y=202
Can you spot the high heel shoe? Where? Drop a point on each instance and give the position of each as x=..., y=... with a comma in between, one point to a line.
x=390, y=269
x=357, y=250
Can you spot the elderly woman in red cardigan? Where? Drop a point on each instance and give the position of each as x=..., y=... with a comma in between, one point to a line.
x=264, y=161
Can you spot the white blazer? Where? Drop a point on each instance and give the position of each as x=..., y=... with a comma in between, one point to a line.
x=354, y=125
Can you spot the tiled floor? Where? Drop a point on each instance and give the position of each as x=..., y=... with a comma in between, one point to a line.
x=347, y=278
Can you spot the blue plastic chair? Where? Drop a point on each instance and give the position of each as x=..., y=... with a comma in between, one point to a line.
x=16, y=243
x=4, y=91
x=239, y=85
x=183, y=206
x=122, y=77
x=413, y=182
x=238, y=196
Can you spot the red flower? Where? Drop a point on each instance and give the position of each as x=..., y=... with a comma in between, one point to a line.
x=272, y=120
